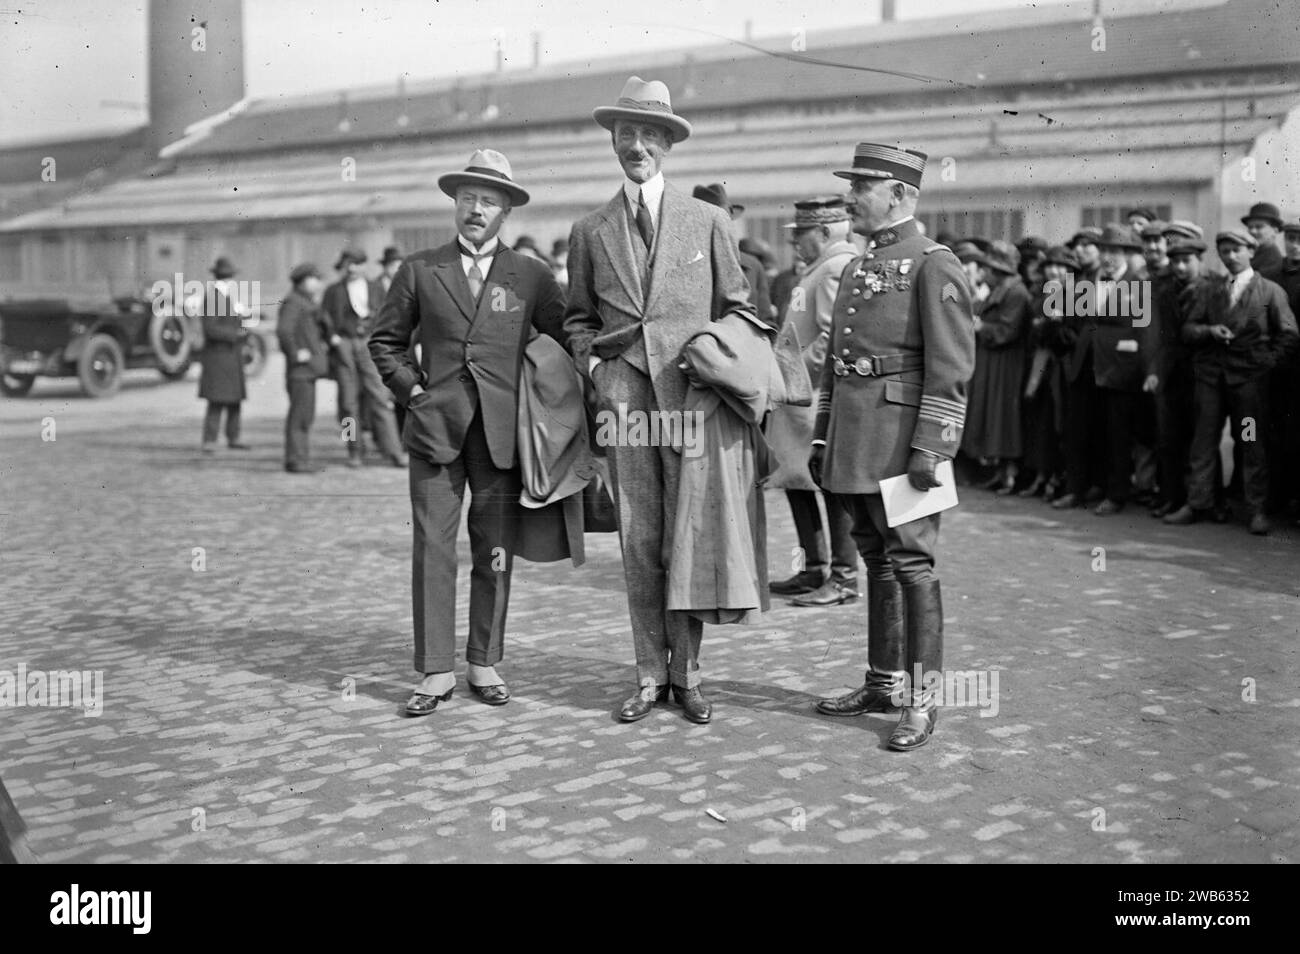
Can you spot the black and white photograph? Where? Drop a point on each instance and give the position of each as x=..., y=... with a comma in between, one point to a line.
x=724, y=432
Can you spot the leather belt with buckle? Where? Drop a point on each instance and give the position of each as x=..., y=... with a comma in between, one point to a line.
x=875, y=365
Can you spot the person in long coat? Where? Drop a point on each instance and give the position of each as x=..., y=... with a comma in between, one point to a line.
x=222, y=358
x=1043, y=398
x=1003, y=319
x=821, y=240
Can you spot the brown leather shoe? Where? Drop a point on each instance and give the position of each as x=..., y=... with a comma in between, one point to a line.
x=639, y=705
x=694, y=705
x=830, y=593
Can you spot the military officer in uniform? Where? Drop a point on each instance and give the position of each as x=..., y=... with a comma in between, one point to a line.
x=893, y=401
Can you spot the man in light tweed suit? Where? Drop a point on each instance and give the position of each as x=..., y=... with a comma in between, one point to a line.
x=646, y=272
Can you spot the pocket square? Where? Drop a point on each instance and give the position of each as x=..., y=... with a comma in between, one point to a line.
x=698, y=256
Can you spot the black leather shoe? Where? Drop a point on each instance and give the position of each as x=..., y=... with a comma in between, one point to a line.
x=693, y=703
x=876, y=695
x=1108, y=508
x=1183, y=516
x=914, y=728
x=639, y=706
x=1066, y=502
x=1094, y=495
x=497, y=695
x=830, y=593
x=239, y=445
x=303, y=468
x=421, y=704
x=1260, y=525
x=804, y=582
x=1162, y=508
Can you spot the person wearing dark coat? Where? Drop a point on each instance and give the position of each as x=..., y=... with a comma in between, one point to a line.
x=1002, y=323
x=222, y=358
x=473, y=304
x=1284, y=389
x=1106, y=370
x=1263, y=222
x=1239, y=328
x=300, y=331
x=1043, y=396
x=1171, y=364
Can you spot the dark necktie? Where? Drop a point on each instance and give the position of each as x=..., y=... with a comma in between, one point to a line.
x=643, y=223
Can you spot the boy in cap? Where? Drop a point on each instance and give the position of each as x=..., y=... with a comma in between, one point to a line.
x=299, y=330
x=1239, y=328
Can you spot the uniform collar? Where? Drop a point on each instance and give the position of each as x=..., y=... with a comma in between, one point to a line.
x=895, y=233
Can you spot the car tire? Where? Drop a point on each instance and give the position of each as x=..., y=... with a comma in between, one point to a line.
x=99, y=368
x=16, y=385
x=171, y=341
x=179, y=374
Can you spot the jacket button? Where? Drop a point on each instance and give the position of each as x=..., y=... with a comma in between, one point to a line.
x=857, y=291
x=848, y=331
x=846, y=350
x=853, y=311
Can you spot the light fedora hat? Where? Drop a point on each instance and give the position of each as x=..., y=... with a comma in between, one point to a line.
x=486, y=167
x=644, y=102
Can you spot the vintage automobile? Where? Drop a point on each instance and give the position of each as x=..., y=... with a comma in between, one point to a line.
x=55, y=338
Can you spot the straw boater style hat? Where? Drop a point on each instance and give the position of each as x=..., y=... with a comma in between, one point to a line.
x=644, y=102
x=486, y=167
x=819, y=210
x=875, y=161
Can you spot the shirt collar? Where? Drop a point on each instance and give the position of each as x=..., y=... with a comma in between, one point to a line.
x=652, y=188
x=489, y=247
x=1243, y=276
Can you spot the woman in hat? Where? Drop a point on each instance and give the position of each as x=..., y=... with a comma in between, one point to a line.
x=222, y=357
x=1043, y=400
x=993, y=431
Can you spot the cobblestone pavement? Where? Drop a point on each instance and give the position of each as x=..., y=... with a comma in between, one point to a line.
x=1147, y=711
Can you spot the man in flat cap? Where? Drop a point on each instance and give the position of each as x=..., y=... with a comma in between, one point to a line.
x=1239, y=328
x=471, y=304
x=300, y=331
x=828, y=572
x=1170, y=377
x=1284, y=388
x=893, y=401
x=648, y=271
x=351, y=305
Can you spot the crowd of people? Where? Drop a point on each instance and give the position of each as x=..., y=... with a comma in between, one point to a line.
x=1108, y=367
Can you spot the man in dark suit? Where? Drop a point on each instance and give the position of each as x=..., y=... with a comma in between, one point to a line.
x=1239, y=328
x=471, y=304
x=647, y=272
x=751, y=265
x=351, y=305
x=1263, y=222
x=299, y=330
x=1105, y=370
x=1284, y=388
x=893, y=402
x=222, y=382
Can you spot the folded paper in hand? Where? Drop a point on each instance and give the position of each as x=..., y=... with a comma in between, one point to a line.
x=904, y=503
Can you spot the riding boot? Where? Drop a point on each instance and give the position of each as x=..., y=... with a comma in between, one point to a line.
x=882, y=687
x=924, y=611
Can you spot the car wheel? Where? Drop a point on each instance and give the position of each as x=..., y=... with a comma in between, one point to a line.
x=16, y=385
x=171, y=343
x=253, y=353
x=99, y=369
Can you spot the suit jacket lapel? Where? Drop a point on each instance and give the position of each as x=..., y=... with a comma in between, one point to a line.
x=614, y=235
x=502, y=272
x=446, y=268
x=675, y=216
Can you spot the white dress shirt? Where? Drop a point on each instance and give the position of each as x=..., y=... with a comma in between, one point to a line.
x=1237, y=285
x=653, y=190
x=467, y=255
x=359, y=295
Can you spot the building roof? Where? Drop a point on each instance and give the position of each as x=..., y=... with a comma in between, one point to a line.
x=1103, y=139
x=975, y=56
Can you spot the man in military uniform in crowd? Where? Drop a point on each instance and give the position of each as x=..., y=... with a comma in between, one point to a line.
x=893, y=401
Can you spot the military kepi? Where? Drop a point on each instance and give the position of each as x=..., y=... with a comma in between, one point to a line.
x=875, y=161
x=819, y=210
